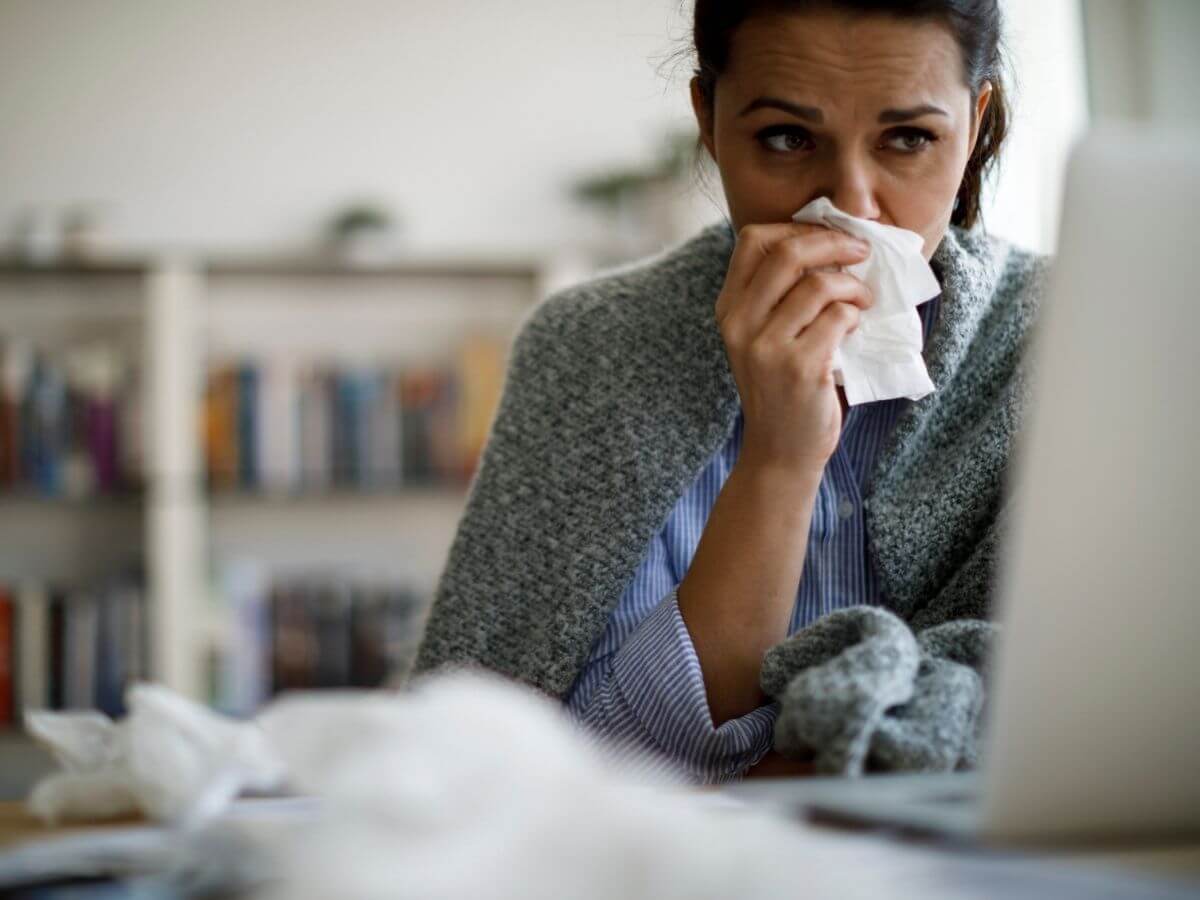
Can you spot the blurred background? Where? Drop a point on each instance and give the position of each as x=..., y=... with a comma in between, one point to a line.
x=261, y=263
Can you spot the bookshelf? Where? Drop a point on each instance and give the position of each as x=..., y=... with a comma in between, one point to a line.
x=198, y=540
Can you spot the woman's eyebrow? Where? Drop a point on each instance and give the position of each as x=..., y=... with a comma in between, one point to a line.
x=814, y=115
x=808, y=113
x=913, y=112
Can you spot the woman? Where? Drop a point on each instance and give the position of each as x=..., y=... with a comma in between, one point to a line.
x=674, y=482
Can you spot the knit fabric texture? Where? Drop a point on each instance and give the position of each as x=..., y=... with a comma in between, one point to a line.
x=857, y=689
x=618, y=392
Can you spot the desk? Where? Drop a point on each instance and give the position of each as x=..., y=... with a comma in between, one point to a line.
x=18, y=826
x=980, y=874
x=791, y=796
x=227, y=856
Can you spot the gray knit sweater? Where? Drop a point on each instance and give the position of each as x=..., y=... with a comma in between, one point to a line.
x=619, y=392
x=857, y=689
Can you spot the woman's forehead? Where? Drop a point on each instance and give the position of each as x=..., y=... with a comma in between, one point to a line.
x=831, y=59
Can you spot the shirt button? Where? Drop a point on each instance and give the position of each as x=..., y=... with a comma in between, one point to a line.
x=845, y=508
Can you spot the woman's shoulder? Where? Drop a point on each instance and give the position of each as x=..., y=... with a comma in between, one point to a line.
x=1008, y=279
x=1017, y=268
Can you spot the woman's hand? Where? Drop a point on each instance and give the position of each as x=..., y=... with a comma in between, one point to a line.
x=783, y=310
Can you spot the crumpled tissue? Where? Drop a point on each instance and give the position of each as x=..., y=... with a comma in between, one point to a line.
x=472, y=786
x=462, y=785
x=881, y=359
x=170, y=759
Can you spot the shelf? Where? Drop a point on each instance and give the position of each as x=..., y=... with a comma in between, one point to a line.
x=21, y=498
x=483, y=269
x=405, y=536
x=176, y=314
x=122, y=268
x=227, y=498
x=433, y=267
x=451, y=492
x=479, y=267
x=69, y=541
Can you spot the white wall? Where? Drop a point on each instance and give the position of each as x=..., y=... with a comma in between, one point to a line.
x=1174, y=61
x=240, y=125
x=243, y=123
x=1144, y=60
x=1045, y=44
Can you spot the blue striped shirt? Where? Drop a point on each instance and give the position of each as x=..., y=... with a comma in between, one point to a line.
x=642, y=686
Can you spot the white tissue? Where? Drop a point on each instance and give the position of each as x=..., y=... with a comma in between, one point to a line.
x=470, y=786
x=466, y=785
x=170, y=759
x=882, y=359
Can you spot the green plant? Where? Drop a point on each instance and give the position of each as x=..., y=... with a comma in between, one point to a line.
x=610, y=189
x=359, y=217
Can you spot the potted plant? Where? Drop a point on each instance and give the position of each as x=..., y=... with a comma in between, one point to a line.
x=361, y=233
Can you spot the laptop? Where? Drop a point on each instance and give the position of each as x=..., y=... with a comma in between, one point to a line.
x=1093, y=717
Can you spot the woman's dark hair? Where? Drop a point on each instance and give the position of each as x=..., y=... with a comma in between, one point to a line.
x=975, y=24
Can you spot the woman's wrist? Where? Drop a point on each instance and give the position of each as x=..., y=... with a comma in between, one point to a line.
x=776, y=479
x=738, y=594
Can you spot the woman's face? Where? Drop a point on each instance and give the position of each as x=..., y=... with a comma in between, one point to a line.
x=869, y=111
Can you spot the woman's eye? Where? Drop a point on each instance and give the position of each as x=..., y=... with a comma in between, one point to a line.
x=910, y=140
x=784, y=139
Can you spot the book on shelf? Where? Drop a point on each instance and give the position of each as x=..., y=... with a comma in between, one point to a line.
x=79, y=646
x=309, y=631
x=314, y=434
x=279, y=425
x=481, y=378
x=246, y=426
x=429, y=403
x=32, y=646
x=69, y=421
x=8, y=646
x=241, y=681
x=220, y=420
x=74, y=647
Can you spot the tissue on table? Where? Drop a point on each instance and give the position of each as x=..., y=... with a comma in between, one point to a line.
x=170, y=759
x=465, y=785
x=462, y=785
x=882, y=359
x=471, y=786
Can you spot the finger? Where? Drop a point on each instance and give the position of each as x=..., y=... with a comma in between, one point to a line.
x=804, y=302
x=791, y=257
x=826, y=333
x=785, y=263
x=754, y=242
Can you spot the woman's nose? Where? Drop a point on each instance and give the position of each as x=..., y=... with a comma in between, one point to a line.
x=852, y=190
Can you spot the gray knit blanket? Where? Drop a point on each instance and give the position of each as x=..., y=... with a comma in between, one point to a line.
x=858, y=690
x=618, y=393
